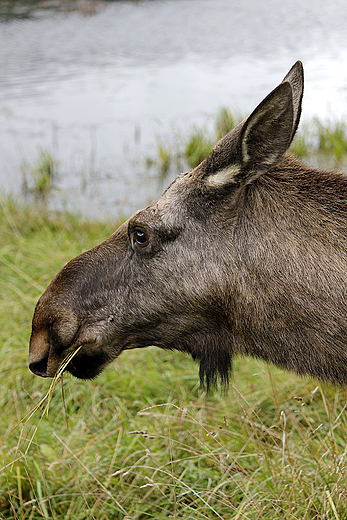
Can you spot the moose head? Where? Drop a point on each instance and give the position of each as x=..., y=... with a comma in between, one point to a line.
x=246, y=254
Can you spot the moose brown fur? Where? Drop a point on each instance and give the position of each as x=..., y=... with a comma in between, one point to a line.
x=245, y=254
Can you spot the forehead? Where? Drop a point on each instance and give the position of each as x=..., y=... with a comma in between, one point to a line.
x=170, y=206
x=177, y=193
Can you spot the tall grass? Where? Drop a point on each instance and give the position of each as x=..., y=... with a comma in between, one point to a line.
x=319, y=143
x=38, y=182
x=142, y=441
x=188, y=151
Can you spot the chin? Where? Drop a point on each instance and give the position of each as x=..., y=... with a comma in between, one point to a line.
x=87, y=367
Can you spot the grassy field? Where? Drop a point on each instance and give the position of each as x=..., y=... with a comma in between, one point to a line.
x=142, y=441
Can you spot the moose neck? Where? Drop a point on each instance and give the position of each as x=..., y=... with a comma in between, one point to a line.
x=291, y=224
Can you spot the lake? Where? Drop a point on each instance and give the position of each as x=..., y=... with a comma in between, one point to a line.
x=98, y=87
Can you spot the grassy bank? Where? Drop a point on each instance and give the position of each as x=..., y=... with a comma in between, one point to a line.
x=141, y=441
x=318, y=143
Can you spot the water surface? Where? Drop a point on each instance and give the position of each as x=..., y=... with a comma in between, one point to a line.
x=96, y=90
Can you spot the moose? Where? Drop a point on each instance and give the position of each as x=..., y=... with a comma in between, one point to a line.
x=244, y=255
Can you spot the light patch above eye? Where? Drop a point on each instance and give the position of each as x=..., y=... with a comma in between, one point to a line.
x=224, y=176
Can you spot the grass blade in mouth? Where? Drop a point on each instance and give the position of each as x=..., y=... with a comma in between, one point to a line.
x=58, y=375
x=53, y=384
x=51, y=389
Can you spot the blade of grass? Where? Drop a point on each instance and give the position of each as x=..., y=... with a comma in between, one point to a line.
x=332, y=505
x=59, y=374
x=49, y=394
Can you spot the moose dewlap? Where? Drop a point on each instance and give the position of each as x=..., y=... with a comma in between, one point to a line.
x=246, y=254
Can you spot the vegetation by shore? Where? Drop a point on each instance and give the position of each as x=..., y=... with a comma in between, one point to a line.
x=319, y=143
x=142, y=441
x=23, y=9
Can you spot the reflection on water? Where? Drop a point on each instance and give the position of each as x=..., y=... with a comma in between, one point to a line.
x=20, y=9
x=96, y=90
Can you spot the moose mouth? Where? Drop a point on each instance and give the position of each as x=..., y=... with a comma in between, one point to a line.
x=82, y=365
x=84, y=361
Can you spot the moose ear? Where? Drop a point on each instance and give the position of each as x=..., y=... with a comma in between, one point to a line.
x=256, y=144
x=267, y=133
x=295, y=78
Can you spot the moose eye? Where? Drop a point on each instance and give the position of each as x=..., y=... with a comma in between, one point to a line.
x=139, y=237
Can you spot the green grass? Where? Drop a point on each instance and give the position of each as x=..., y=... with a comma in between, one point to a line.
x=142, y=441
x=317, y=142
x=43, y=173
x=177, y=154
x=332, y=139
x=38, y=180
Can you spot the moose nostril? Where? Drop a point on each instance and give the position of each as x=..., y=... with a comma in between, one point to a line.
x=39, y=367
